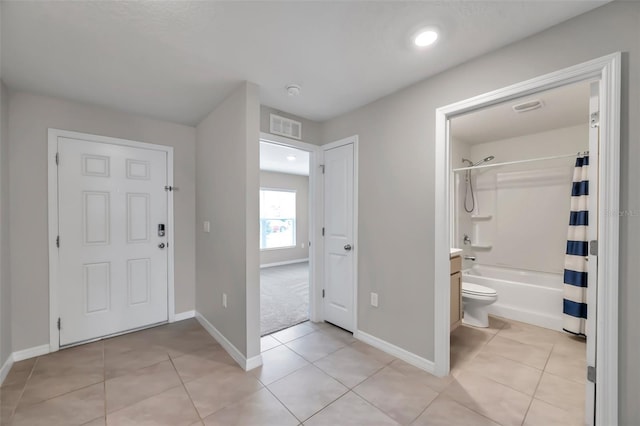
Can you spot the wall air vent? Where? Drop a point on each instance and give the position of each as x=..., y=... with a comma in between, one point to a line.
x=285, y=127
x=528, y=105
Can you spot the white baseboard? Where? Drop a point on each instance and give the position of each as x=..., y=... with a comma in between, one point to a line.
x=31, y=352
x=253, y=362
x=6, y=367
x=246, y=364
x=184, y=315
x=286, y=262
x=398, y=352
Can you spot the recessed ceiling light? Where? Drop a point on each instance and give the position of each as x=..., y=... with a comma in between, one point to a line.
x=425, y=38
x=291, y=157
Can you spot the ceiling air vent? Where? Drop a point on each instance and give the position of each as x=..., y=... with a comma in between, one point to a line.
x=286, y=127
x=528, y=105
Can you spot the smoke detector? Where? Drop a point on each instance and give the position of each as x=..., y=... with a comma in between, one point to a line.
x=293, y=90
x=528, y=105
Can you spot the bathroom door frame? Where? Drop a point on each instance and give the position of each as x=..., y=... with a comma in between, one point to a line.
x=607, y=71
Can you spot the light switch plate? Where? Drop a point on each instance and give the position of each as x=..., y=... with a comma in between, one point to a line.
x=206, y=226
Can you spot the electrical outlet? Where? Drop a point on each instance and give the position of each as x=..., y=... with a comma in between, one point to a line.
x=374, y=300
x=302, y=245
x=224, y=300
x=206, y=226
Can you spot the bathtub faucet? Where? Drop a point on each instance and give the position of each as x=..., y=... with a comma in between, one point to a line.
x=472, y=258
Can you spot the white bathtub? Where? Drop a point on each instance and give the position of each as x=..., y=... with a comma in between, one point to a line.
x=531, y=297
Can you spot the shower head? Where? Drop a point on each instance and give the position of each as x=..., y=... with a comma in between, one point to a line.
x=484, y=160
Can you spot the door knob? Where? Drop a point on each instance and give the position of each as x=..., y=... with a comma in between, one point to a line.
x=347, y=247
x=161, y=245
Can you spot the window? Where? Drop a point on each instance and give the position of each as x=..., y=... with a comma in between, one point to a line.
x=277, y=218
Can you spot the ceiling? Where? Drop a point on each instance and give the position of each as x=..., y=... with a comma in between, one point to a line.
x=177, y=60
x=562, y=107
x=273, y=158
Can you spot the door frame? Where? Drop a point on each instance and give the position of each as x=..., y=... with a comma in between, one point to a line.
x=54, y=284
x=356, y=247
x=607, y=70
x=315, y=199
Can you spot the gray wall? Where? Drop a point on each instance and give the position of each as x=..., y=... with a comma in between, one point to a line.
x=29, y=118
x=311, y=130
x=397, y=180
x=227, y=183
x=272, y=180
x=5, y=283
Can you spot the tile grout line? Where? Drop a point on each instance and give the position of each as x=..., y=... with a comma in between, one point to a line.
x=155, y=394
x=537, y=386
x=24, y=388
x=287, y=408
x=375, y=406
x=483, y=346
x=185, y=388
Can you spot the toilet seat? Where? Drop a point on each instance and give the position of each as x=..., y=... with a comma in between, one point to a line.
x=477, y=290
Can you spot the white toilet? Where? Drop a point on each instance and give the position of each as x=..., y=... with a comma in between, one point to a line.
x=476, y=300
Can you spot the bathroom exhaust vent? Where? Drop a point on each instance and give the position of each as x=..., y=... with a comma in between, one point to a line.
x=285, y=127
x=528, y=106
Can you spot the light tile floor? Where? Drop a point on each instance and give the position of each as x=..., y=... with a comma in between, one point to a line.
x=313, y=374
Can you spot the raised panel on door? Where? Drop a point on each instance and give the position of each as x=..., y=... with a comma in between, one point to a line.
x=97, y=287
x=96, y=218
x=339, y=222
x=113, y=275
x=138, y=219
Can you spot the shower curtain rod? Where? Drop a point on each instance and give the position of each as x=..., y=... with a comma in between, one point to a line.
x=484, y=166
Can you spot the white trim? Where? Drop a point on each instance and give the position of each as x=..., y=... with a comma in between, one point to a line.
x=315, y=218
x=53, y=135
x=246, y=364
x=398, y=352
x=6, y=367
x=607, y=70
x=285, y=262
x=253, y=362
x=184, y=315
x=30, y=353
x=355, y=245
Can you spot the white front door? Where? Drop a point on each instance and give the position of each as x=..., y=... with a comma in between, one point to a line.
x=339, y=247
x=112, y=260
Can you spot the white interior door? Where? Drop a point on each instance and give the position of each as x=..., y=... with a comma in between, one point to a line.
x=339, y=247
x=592, y=268
x=112, y=260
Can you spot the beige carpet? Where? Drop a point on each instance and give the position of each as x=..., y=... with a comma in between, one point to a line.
x=284, y=296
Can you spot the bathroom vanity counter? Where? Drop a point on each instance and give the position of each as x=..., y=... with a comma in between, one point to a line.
x=456, y=288
x=454, y=252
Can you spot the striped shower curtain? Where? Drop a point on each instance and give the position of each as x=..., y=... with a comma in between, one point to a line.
x=575, y=263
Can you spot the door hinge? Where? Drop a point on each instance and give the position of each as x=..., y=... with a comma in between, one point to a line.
x=593, y=247
x=58, y=241
x=594, y=119
x=57, y=158
x=322, y=168
x=323, y=231
x=323, y=293
x=591, y=373
x=59, y=324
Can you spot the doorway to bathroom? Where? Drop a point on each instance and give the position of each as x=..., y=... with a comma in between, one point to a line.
x=510, y=205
